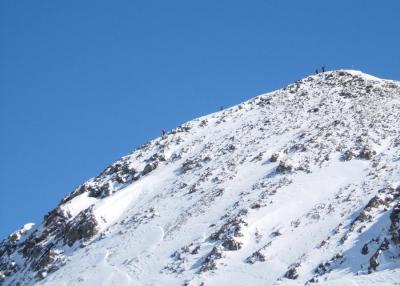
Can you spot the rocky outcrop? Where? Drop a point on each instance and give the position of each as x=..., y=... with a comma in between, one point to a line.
x=149, y=168
x=292, y=272
x=395, y=224
x=232, y=244
x=56, y=218
x=256, y=256
x=82, y=227
x=209, y=262
x=284, y=167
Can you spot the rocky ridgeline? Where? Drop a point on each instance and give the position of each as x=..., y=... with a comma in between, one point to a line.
x=42, y=249
x=335, y=116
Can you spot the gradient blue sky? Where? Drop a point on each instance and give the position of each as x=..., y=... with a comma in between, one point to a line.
x=84, y=82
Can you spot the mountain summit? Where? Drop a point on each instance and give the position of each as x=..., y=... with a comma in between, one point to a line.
x=293, y=187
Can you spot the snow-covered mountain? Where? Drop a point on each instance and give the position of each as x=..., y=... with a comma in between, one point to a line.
x=297, y=186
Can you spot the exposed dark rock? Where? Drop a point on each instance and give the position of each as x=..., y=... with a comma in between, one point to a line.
x=33, y=247
x=274, y=158
x=231, y=244
x=195, y=250
x=120, y=172
x=209, y=261
x=192, y=189
x=257, y=256
x=255, y=205
x=94, y=191
x=313, y=280
x=364, y=249
x=258, y=157
x=78, y=191
x=28, y=247
x=292, y=272
x=8, y=268
x=203, y=123
x=366, y=153
x=101, y=191
x=126, y=174
x=326, y=267
x=232, y=228
x=284, y=167
x=157, y=157
x=14, y=237
x=190, y=164
x=82, y=227
x=149, y=168
x=230, y=148
x=375, y=202
x=374, y=261
x=276, y=233
x=347, y=94
x=56, y=217
x=384, y=245
x=46, y=260
x=363, y=216
x=395, y=224
x=347, y=155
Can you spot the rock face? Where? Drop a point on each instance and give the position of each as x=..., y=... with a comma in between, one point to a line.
x=294, y=187
x=395, y=223
x=82, y=227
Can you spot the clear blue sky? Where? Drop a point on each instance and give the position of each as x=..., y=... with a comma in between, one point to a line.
x=84, y=82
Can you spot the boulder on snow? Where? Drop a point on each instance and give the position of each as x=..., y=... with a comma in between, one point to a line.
x=257, y=256
x=292, y=273
x=284, y=167
x=274, y=157
x=347, y=155
x=364, y=249
x=366, y=153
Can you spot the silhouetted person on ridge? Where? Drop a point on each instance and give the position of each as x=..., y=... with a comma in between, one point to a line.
x=316, y=71
x=163, y=132
x=323, y=68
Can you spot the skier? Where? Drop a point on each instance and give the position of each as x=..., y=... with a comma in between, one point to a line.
x=323, y=68
x=163, y=132
x=316, y=71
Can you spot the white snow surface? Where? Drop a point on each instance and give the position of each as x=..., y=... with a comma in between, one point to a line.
x=274, y=191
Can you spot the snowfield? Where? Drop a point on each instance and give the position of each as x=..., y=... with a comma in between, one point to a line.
x=300, y=186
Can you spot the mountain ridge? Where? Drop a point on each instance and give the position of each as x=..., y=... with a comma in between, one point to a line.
x=292, y=187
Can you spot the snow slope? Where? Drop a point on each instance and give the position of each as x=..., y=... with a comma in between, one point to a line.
x=297, y=186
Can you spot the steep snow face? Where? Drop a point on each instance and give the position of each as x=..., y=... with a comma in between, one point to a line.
x=298, y=186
